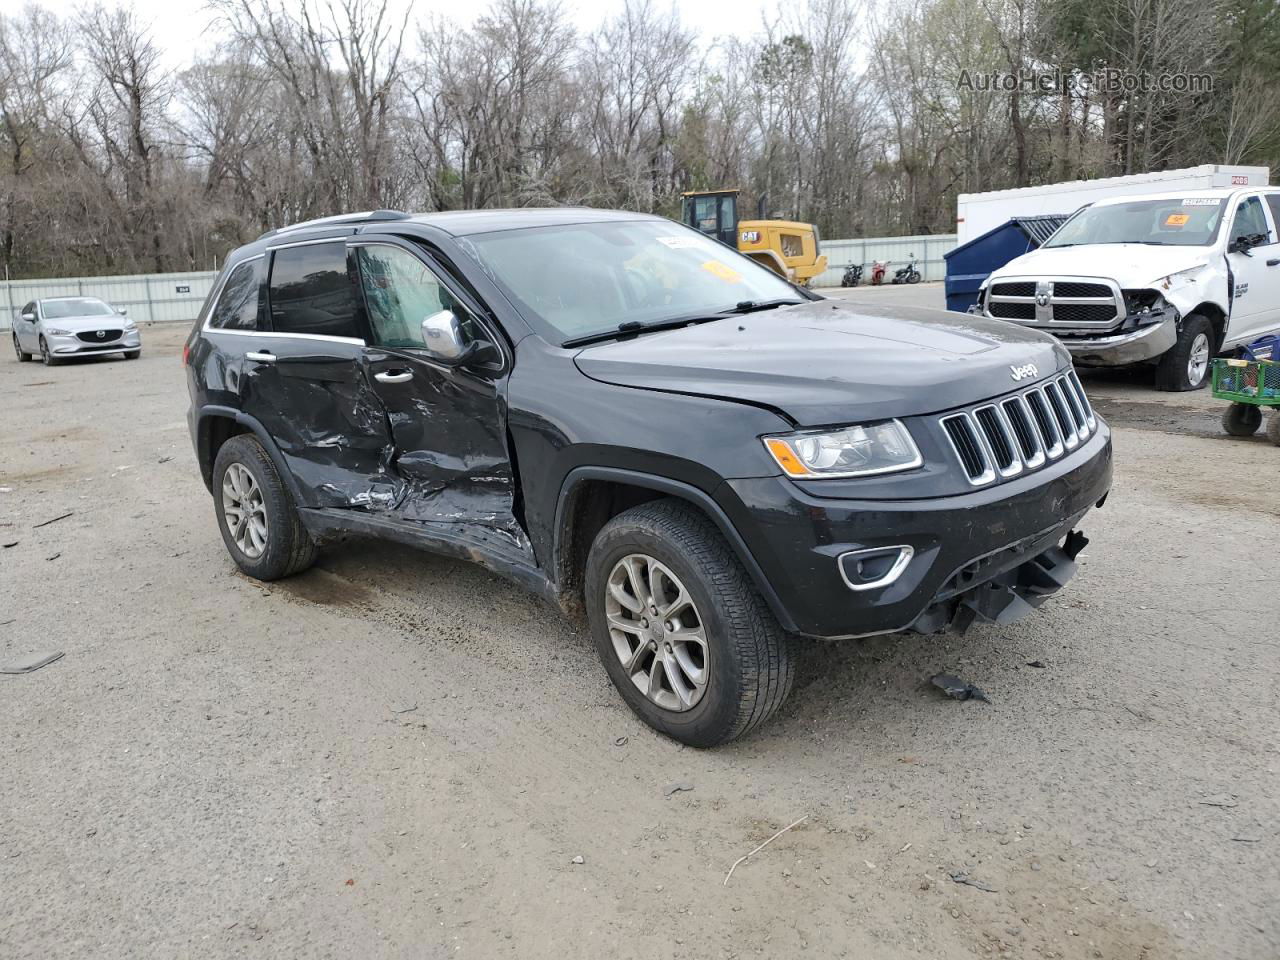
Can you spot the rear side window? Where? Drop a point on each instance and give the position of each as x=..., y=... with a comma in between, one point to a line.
x=311, y=291
x=240, y=305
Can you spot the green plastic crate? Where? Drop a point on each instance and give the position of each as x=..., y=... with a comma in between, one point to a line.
x=1255, y=382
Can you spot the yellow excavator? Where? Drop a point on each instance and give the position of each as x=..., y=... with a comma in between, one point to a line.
x=784, y=246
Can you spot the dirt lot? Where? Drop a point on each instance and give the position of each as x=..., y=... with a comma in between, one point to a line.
x=399, y=756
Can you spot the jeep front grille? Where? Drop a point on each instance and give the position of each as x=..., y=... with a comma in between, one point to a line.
x=1023, y=432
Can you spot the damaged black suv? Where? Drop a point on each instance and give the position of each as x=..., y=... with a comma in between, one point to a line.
x=664, y=438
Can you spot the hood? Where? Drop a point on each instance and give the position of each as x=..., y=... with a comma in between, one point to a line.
x=1131, y=265
x=832, y=362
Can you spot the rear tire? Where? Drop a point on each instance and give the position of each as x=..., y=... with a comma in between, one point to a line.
x=1186, y=366
x=1241, y=420
x=746, y=658
x=23, y=356
x=1273, y=428
x=284, y=546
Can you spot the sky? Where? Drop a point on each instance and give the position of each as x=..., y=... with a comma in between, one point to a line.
x=182, y=27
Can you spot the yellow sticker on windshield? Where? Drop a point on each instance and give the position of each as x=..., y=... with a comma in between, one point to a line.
x=1177, y=220
x=725, y=273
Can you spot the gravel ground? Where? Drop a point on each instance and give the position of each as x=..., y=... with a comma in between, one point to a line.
x=395, y=755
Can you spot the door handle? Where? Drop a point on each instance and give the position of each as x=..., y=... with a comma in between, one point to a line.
x=1273, y=263
x=260, y=357
x=394, y=376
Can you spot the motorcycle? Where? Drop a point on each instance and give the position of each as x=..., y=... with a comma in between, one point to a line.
x=909, y=273
x=877, y=272
x=852, y=275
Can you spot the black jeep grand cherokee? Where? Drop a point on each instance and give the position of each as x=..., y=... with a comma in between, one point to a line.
x=648, y=429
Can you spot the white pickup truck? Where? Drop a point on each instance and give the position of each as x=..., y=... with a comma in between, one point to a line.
x=1168, y=278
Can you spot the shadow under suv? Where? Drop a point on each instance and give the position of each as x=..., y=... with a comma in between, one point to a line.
x=657, y=434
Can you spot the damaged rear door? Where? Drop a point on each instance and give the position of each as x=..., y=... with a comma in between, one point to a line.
x=447, y=421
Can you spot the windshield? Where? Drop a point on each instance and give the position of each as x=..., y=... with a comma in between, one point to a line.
x=74, y=307
x=587, y=278
x=1189, y=222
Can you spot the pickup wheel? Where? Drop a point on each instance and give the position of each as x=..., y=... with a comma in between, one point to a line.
x=256, y=514
x=1186, y=365
x=1242, y=420
x=682, y=631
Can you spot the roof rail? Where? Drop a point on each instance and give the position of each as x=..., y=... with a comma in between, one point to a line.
x=341, y=218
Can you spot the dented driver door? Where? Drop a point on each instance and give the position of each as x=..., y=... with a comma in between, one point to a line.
x=447, y=423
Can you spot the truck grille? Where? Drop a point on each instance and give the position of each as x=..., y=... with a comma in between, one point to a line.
x=1006, y=437
x=1087, y=304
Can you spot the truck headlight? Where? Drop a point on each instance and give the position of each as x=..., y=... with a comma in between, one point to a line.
x=853, y=451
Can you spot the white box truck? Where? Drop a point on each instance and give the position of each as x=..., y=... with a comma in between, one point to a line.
x=976, y=213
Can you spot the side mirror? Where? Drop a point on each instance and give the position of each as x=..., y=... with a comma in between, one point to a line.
x=123, y=311
x=443, y=340
x=29, y=317
x=1246, y=242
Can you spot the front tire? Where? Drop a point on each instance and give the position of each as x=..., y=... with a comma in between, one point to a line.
x=1242, y=420
x=23, y=356
x=47, y=358
x=1186, y=366
x=257, y=517
x=913, y=277
x=681, y=629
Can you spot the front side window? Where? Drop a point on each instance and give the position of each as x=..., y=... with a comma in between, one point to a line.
x=1250, y=220
x=1176, y=222
x=588, y=278
x=311, y=291
x=74, y=307
x=400, y=291
x=239, y=306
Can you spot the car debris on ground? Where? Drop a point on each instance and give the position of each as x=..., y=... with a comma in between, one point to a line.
x=31, y=662
x=957, y=689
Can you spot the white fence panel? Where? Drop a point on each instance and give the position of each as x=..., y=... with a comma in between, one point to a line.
x=148, y=297
x=927, y=249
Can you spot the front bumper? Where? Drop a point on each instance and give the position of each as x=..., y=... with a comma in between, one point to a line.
x=71, y=344
x=1121, y=349
x=959, y=545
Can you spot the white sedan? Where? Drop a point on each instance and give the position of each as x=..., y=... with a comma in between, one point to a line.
x=59, y=327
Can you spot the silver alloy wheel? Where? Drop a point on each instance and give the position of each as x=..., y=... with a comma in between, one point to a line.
x=244, y=510
x=1198, y=360
x=657, y=632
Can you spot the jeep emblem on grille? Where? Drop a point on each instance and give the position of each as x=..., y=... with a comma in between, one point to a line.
x=1024, y=371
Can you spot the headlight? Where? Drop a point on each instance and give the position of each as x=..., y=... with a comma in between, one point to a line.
x=855, y=451
x=130, y=325
x=55, y=332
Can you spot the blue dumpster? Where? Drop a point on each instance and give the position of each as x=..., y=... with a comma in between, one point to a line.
x=969, y=265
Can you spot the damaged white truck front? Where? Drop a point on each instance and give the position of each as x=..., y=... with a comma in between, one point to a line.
x=1170, y=279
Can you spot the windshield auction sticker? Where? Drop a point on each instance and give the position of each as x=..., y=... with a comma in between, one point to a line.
x=1200, y=202
x=1177, y=220
x=725, y=273
x=681, y=243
